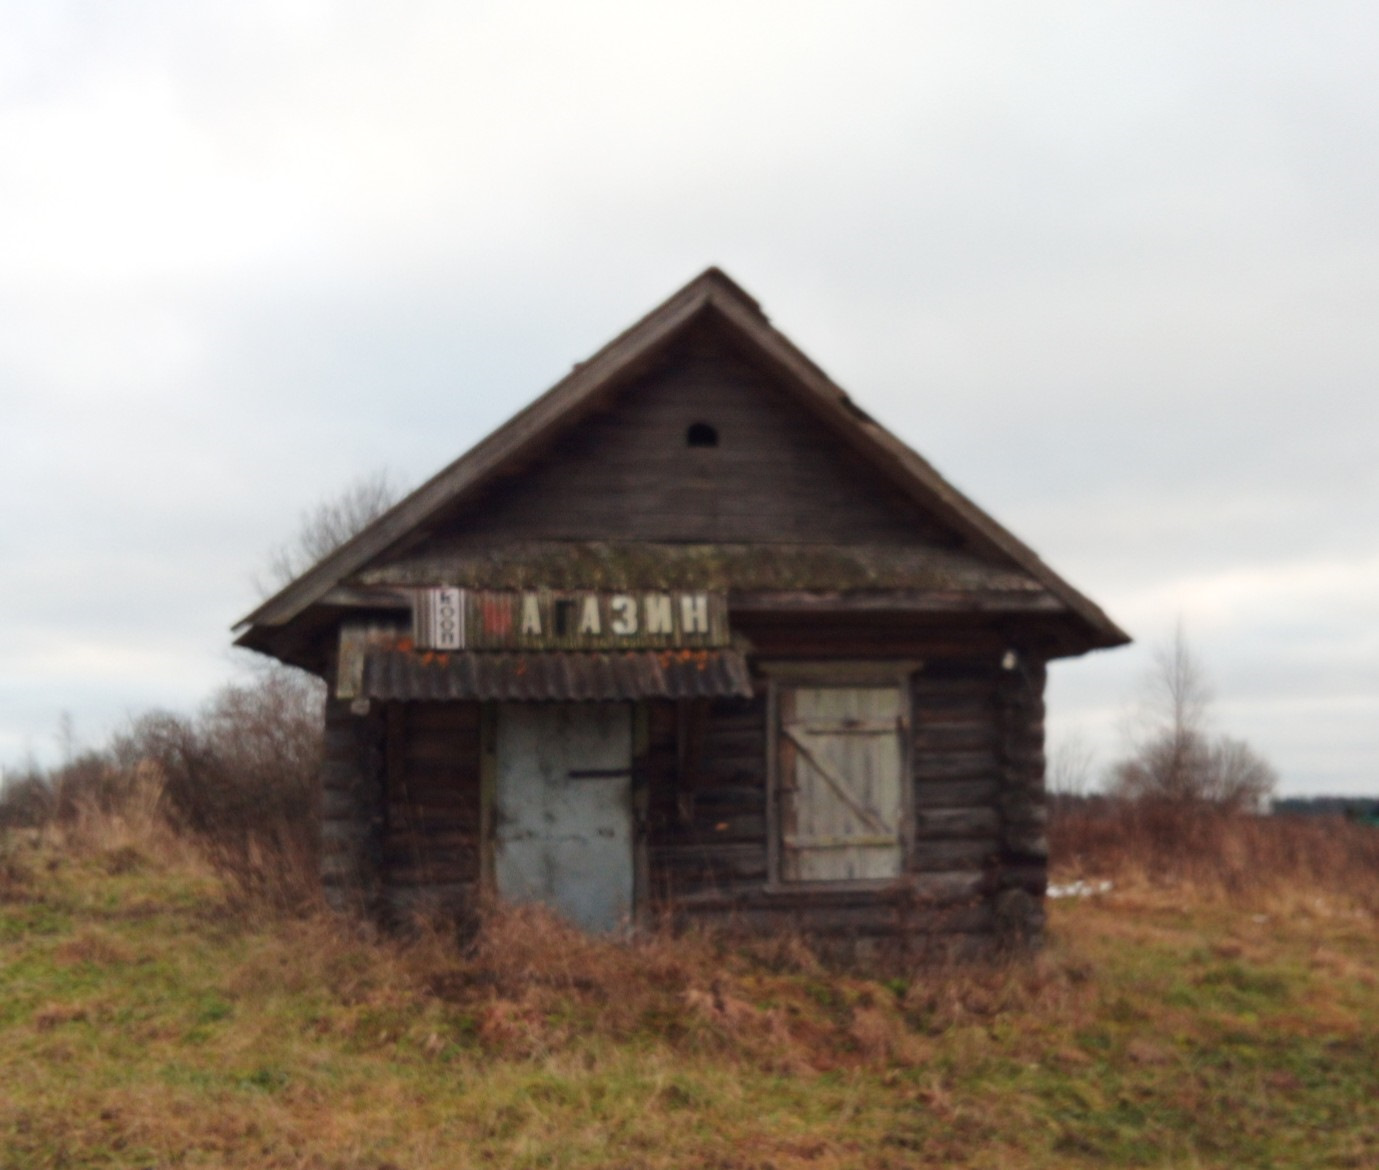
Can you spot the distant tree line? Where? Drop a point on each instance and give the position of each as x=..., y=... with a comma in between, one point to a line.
x=1353, y=808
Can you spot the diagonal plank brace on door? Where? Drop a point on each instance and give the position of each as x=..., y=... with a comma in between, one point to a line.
x=867, y=815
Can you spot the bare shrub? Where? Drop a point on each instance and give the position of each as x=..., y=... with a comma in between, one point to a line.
x=26, y=801
x=1186, y=766
x=90, y=784
x=241, y=778
x=238, y=780
x=1173, y=756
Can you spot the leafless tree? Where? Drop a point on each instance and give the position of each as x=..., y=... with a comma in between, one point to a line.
x=1174, y=756
x=1237, y=776
x=1071, y=765
x=328, y=525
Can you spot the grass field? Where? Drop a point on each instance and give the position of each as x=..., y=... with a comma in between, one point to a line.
x=152, y=1017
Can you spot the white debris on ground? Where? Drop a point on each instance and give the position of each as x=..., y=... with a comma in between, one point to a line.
x=1079, y=889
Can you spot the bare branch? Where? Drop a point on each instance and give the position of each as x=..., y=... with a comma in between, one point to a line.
x=1071, y=766
x=327, y=526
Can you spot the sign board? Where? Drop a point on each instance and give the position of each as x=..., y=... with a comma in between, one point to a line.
x=549, y=619
x=438, y=619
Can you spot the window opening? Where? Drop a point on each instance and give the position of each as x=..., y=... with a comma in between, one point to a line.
x=701, y=434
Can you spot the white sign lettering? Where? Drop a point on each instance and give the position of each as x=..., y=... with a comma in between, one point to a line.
x=694, y=613
x=446, y=618
x=624, y=621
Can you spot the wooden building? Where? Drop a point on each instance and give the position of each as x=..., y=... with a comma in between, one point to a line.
x=690, y=637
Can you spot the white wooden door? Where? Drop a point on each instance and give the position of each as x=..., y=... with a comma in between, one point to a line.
x=563, y=809
x=841, y=795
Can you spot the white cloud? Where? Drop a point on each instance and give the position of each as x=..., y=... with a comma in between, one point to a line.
x=1111, y=269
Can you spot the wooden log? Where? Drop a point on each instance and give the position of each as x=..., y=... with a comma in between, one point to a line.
x=450, y=900
x=948, y=855
x=956, y=766
x=979, y=822
x=434, y=837
x=909, y=890
x=432, y=871
x=735, y=860
x=1033, y=877
x=976, y=735
x=937, y=794
x=729, y=797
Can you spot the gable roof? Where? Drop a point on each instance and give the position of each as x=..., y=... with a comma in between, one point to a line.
x=622, y=359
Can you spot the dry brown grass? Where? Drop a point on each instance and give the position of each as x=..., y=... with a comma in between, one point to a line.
x=1246, y=859
x=150, y=1019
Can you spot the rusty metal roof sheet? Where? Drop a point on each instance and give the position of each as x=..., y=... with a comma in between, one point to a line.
x=554, y=676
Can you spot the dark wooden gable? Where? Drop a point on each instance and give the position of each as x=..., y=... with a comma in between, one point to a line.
x=595, y=485
x=703, y=447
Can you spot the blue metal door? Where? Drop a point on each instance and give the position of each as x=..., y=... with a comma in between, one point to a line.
x=563, y=809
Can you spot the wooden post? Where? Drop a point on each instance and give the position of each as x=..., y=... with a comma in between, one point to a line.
x=1023, y=875
x=488, y=793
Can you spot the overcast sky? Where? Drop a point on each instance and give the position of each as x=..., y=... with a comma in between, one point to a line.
x=1112, y=267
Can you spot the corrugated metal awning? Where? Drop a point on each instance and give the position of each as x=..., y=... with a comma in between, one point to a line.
x=553, y=676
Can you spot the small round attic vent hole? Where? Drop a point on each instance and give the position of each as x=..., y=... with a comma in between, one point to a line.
x=701, y=435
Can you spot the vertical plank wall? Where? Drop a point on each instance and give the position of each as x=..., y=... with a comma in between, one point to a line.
x=706, y=809
x=432, y=833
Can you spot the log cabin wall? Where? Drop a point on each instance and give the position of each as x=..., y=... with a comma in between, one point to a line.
x=403, y=806
x=352, y=780
x=957, y=769
x=975, y=868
